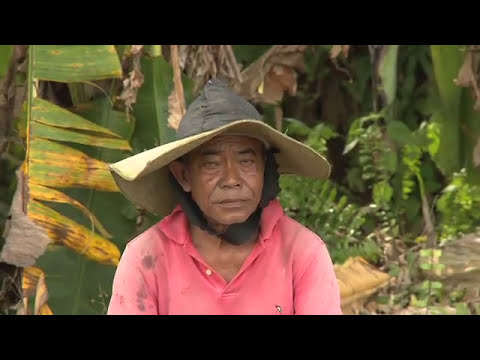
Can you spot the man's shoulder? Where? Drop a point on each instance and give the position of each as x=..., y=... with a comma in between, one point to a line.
x=152, y=234
x=171, y=229
x=296, y=233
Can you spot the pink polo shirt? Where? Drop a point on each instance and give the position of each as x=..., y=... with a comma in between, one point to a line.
x=289, y=271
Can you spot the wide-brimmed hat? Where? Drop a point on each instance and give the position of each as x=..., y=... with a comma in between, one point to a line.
x=144, y=178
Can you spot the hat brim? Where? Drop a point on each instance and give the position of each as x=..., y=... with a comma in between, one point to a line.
x=143, y=178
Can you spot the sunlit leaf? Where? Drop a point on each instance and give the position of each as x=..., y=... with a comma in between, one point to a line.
x=382, y=193
x=388, y=72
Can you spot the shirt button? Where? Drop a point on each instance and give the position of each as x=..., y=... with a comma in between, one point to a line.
x=209, y=272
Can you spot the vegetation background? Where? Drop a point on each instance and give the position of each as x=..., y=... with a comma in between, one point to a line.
x=400, y=125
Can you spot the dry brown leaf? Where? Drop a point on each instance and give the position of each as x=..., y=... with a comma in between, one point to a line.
x=274, y=73
x=174, y=110
x=41, y=295
x=345, y=50
x=468, y=75
x=335, y=51
x=136, y=49
x=176, y=100
x=358, y=280
x=202, y=62
x=25, y=241
x=131, y=85
x=476, y=154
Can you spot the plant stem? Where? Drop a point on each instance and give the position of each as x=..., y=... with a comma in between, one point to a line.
x=156, y=50
x=30, y=95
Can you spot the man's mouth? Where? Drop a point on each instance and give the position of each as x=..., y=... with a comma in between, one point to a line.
x=231, y=202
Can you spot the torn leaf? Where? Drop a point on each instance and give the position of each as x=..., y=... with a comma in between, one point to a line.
x=25, y=240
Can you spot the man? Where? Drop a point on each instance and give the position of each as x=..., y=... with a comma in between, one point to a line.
x=225, y=246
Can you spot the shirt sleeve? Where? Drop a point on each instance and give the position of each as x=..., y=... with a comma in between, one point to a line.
x=131, y=294
x=316, y=289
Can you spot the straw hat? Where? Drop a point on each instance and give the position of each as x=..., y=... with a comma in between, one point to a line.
x=144, y=178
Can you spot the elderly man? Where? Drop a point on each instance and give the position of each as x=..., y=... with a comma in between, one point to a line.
x=224, y=246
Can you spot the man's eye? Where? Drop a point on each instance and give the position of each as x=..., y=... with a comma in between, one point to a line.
x=210, y=164
x=247, y=162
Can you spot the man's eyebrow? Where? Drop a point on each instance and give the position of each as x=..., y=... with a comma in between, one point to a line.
x=247, y=151
x=208, y=152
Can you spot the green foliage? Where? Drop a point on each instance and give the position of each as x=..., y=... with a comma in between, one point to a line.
x=459, y=208
x=366, y=135
x=411, y=159
x=430, y=294
x=329, y=213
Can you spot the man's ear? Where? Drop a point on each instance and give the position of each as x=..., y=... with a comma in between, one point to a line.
x=180, y=172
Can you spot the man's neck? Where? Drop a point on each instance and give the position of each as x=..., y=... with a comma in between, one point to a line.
x=204, y=240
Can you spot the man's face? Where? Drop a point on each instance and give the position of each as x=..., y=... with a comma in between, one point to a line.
x=225, y=178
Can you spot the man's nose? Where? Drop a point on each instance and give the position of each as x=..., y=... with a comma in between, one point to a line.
x=231, y=175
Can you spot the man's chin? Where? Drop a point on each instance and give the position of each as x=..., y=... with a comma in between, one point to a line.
x=232, y=217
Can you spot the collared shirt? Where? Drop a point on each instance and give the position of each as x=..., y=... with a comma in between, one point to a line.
x=289, y=271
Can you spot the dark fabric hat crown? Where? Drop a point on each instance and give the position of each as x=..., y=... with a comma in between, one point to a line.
x=218, y=105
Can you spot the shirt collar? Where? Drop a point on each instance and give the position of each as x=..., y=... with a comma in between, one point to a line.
x=176, y=225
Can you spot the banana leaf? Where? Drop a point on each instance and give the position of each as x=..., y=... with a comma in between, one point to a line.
x=447, y=60
x=151, y=109
x=78, y=285
x=50, y=164
x=454, y=114
x=75, y=63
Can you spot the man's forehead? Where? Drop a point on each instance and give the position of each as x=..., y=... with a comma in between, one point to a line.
x=236, y=141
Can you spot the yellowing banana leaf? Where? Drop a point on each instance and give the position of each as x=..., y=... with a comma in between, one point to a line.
x=39, y=192
x=41, y=295
x=34, y=285
x=75, y=63
x=49, y=114
x=53, y=133
x=31, y=274
x=358, y=280
x=55, y=165
x=81, y=170
x=69, y=233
